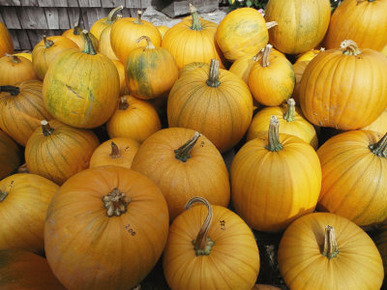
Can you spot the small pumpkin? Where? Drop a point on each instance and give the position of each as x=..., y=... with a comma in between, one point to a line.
x=327, y=251
x=150, y=72
x=133, y=118
x=15, y=69
x=101, y=24
x=9, y=155
x=106, y=228
x=76, y=35
x=6, y=43
x=25, y=270
x=180, y=161
x=118, y=151
x=58, y=151
x=24, y=199
x=199, y=238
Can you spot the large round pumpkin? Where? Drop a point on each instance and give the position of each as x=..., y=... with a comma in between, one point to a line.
x=327, y=251
x=354, y=176
x=302, y=24
x=214, y=102
x=58, y=151
x=275, y=179
x=9, y=155
x=327, y=102
x=24, y=199
x=210, y=248
x=25, y=270
x=183, y=164
x=105, y=229
x=15, y=69
x=81, y=88
x=6, y=44
x=22, y=109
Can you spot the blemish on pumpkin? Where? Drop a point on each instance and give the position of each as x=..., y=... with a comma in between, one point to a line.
x=74, y=112
x=74, y=92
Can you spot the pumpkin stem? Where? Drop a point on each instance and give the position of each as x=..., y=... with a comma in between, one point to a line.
x=138, y=19
x=47, y=130
x=271, y=24
x=184, y=152
x=112, y=16
x=123, y=104
x=77, y=29
x=116, y=202
x=149, y=44
x=202, y=244
x=380, y=148
x=89, y=47
x=4, y=194
x=14, y=91
x=330, y=243
x=291, y=111
x=115, y=151
x=196, y=25
x=47, y=43
x=15, y=58
x=258, y=55
x=213, y=75
x=350, y=47
x=265, y=55
x=274, y=144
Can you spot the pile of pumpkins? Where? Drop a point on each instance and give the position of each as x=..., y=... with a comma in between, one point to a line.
x=92, y=210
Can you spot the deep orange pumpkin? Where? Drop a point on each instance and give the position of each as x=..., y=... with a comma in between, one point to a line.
x=6, y=44
x=15, y=69
x=9, y=155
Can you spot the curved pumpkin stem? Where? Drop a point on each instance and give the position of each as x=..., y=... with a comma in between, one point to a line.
x=77, y=30
x=184, y=152
x=46, y=129
x=4, y=194
x=202, y=244
x=115, y=151
x=274, y=145
x=14, y=91
x=350, y=47
x=89, y=47
x=213, y=75
x=47, y=42
x=138, y=19
x=271, y=24
x=196, y=25
x=15, y=58
x=330, y=243
x=291, y=110
x=149, y=44
x=116, y=202
x=123, y=104
x=112, y=16
x=265, y=55
x=380, y=148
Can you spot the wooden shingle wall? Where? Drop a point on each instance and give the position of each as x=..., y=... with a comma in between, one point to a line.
x=28, y=20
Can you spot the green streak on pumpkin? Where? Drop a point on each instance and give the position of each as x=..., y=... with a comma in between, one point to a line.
x=138, y=71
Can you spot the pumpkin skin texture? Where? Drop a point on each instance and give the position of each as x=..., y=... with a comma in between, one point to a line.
x=118, y=151
x=121, y=72
x=105, y=46
x=381, y=243
x=379, y=125
x=192, y=40
x=76, y=90
x=302, y=24
x=233, y=261
x=357, y=265
x=25, y=270
x=324, y=100
x=58, y=151
x=354, y=183
x=101, y=24
x=365, y=22
x=22, y=109
x=269, y=188
x=214, y=102
x=9, y=155
x=181, y=180
x=45, y=52
x=24, y=202
x=77, y=227
x=133, y=118
x=242, y=32
x=6, y=44
x=162, y=29
x=15, y=69
x=150, y=71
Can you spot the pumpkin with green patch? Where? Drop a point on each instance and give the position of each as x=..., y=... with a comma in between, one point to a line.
x=81, y=88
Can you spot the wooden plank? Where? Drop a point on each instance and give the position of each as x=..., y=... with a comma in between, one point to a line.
x=95, y=3
x=52, y=17
x=72, y=3
x=14, y=38
x=11, y=18
x=112, y=3
x=52, y=3
x=63, y=18
x=24, y=41
x=29, y=3
x=9, y=2
x=133, y=4
x=33, y=18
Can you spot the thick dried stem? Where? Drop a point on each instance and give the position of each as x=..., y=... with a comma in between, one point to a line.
x=213, y=75
x=196, y=25
x=184, y=152
x=380, y=148
x=47, y=42
x=138, y=19
x=46, y=129
x=330, y=243
x=14, y=91
x=115, y=151
x=291, y=110
x=274, y=143
x=123, y=104
x=116, y=203
x=149, y=44
x=350, y=47
x=89, y=47
x=265, y=55
x=15, y=58
x=112, y=16
x=271, y=24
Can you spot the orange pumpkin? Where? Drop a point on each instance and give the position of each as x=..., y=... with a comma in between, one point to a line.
x=133, y=118
x=101, y=24
x=121, y=72
x=210, y=250
x=105, y=46
x=76, y=35
x=9, y=155
x=192, y=40
x=46, y=51
x=118, y=151
x=24, y=199
x=162, y=29
x=275, y=179
x=379, y=125
x=25, y=270
x=324, y=100
x=6, y=44
x=150, y=72
x=354, y=176
x=15, y=69
x=326, y=251
x=214, y=102
x=58, y=151
x=22, y=109
x=125, y=32
x=105, y=229
x=25, y=53
x=180, y=161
